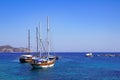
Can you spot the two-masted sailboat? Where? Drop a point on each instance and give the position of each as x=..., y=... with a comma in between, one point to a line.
x=27, y=57
x=44, y=61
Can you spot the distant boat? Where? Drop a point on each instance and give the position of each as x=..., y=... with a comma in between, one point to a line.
x=53, y=57
x=44, y=61
x=27, y=57
x=110, y=55
x=90, y=54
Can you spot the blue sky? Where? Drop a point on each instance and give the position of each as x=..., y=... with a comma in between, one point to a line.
x=76, y=25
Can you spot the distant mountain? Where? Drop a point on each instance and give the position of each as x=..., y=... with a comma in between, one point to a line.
x=8, y=48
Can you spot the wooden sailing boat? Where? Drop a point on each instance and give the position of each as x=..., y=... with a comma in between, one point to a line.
x=44, y=61
x=25, y=58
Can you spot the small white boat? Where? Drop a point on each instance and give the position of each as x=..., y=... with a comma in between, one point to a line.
x=90, y=54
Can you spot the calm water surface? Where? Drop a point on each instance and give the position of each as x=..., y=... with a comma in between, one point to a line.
x=70, y=66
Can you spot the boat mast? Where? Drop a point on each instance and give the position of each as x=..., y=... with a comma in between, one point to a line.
x=28, y=41
x=37, y=39
x=40, y=39
x=48, y=41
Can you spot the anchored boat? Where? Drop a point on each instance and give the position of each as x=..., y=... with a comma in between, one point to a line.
x=27, y=57
x=90, y=54
x=44, y=61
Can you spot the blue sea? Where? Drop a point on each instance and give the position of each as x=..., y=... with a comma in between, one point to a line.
x=69, y=66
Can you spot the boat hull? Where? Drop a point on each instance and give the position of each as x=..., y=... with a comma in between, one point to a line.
x=45, y=64
x=22, y=60
x=53, y=57
x=42, y=66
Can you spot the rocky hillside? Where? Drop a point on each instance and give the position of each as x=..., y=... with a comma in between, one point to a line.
x=8, y=48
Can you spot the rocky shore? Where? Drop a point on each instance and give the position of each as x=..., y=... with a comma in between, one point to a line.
x=8, y=48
